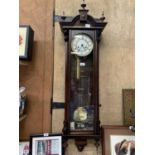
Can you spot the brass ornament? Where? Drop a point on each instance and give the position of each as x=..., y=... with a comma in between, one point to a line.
x=80, y=114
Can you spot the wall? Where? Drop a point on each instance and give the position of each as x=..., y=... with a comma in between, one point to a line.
x=116, y=63
x=37, y=74
x=117, y=60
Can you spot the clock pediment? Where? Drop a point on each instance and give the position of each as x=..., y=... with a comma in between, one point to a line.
x=82, y=21
x=76, y=21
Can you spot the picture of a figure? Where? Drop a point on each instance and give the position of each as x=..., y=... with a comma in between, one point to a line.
x=24, y=148
x=46, y=147
x=122, y=145
x=125, y=147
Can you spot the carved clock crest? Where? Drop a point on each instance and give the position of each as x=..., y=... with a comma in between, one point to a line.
x=82, y=36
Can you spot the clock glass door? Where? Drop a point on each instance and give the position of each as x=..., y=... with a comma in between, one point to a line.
x=81, y=107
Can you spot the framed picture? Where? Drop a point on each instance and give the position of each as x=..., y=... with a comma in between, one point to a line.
x=24, y=148
x=26, y=35
x=129, y=106
x=118, y=140
x=46, y=144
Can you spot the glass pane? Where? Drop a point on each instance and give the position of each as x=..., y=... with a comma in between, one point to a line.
x=81, y=108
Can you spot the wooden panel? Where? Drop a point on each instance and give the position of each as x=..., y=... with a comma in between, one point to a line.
x=36, y=75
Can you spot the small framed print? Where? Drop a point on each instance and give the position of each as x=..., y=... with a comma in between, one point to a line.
x=46, y=144
x=129, y=106
x=118, y=140
x=26, y=35
x=24, y=148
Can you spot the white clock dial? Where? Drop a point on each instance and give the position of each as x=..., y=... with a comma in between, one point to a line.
x=82, y=45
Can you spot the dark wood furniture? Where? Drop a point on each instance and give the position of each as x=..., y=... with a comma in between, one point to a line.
x=82, y=81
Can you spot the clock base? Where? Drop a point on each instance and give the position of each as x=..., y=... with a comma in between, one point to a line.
x=80, y=144
x=81, y=141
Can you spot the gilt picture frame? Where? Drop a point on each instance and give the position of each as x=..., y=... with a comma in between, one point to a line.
x=117, y=140
x=26, y=36
x=49, y=144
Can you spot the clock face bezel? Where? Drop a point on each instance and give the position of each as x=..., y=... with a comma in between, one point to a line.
x=82, y=45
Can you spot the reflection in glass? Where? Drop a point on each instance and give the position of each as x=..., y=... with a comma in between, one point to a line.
x=41, y=148
x=82, y=110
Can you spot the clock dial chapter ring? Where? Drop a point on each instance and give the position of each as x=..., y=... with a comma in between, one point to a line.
x=82, y=45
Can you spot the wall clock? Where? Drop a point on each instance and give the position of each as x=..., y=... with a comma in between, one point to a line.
x=82, y=35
